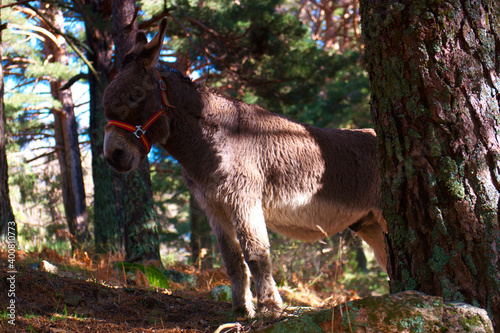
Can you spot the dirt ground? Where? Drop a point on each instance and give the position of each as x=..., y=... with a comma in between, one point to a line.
x=52, y=303
x=89, y=295
x=85, y=293
x=82, y=302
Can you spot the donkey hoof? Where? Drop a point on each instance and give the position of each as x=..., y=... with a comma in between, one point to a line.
x=270, y=308
x=244, y=312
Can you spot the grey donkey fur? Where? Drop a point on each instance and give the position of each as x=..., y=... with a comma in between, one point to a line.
x=248, y=168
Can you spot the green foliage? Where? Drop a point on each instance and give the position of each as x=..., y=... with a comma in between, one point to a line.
x=35, y=238
x=221, y=293
x=55, y=70
x=155, y=277
x=171, y=198
x=252, y=51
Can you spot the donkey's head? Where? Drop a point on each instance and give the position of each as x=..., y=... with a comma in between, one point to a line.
x=134, y=105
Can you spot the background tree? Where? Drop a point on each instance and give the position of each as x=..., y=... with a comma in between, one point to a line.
x=434, y=74
x=33, y=69
x=141, y=232
x=334, y=24
x=65, y=129
x=201, y=236
x=108, y=208
x=6, y=214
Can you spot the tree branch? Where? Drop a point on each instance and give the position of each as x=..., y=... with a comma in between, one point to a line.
x=147, y=24
x=67, y=39
x=20, y=2
x=73, y=80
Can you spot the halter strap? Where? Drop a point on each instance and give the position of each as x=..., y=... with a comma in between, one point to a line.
x=140, y=130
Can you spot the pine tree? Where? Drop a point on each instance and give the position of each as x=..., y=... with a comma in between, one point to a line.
x=141, y=231
x=434, y=72
x=108, y=200
x=66, y=132
x=6, y=214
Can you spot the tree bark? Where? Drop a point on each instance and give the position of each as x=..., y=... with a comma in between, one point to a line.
x=435, y=103
x=6, y=215
x=108, y=201
x=66, y=137
x=141, y=231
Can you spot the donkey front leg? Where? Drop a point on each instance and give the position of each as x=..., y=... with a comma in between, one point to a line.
x=236, y=268
x=251, y=231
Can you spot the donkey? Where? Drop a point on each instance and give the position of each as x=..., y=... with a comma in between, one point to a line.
x=247, y=167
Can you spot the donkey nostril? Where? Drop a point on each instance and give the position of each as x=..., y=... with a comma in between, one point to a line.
x=117, y=154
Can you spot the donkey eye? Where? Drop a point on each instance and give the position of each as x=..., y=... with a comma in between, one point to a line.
x=135, y=99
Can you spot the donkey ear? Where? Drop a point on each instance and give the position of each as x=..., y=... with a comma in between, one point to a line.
x=140, y=38
x=153, y=48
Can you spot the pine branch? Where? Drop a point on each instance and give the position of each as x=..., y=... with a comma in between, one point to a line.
x=157, y=17
x=20, y=2
x=67, y=38
x=73, y=80
x=49, y=153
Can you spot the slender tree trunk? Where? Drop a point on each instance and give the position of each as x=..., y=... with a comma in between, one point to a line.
x=66, y=136
x=7, y=221
x=108, y=197
x=201, y=237
x=434, y=69
x=141, y=232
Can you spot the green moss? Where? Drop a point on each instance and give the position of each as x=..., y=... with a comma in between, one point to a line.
x=415, y=325
x=308, y=322
x=446, y=287
x=409, y=282
x=409, y=169
x=433, y=142
x=468, y=323
x=349, y=320
x=439, y=259
x=450, y=177
x=470, y=263
x=458, y=297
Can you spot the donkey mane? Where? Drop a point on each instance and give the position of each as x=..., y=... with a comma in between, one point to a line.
x=165, y=68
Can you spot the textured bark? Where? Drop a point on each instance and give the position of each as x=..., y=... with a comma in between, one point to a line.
x=108, y=205
x=66, y=137
x=434, y=68
x=6, y=214
x=141, y=232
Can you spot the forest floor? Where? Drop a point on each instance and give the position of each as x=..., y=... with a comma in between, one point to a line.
x=85, y=295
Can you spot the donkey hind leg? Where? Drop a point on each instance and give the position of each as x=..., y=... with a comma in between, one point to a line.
x=252, y=234
x=372, y=229
x=237, y=270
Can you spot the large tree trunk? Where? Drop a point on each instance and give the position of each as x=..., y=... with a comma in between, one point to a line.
x=108, y=203
x=435, y=102
x=141, y=232
x=66, y=137
x=7, y=220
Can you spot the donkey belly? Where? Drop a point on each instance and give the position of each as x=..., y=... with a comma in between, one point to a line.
x=310, y=221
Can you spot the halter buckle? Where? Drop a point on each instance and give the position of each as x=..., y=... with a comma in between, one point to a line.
x=163, y=85
x=136, y=132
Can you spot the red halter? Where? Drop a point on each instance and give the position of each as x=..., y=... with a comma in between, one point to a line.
x=140, y=130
